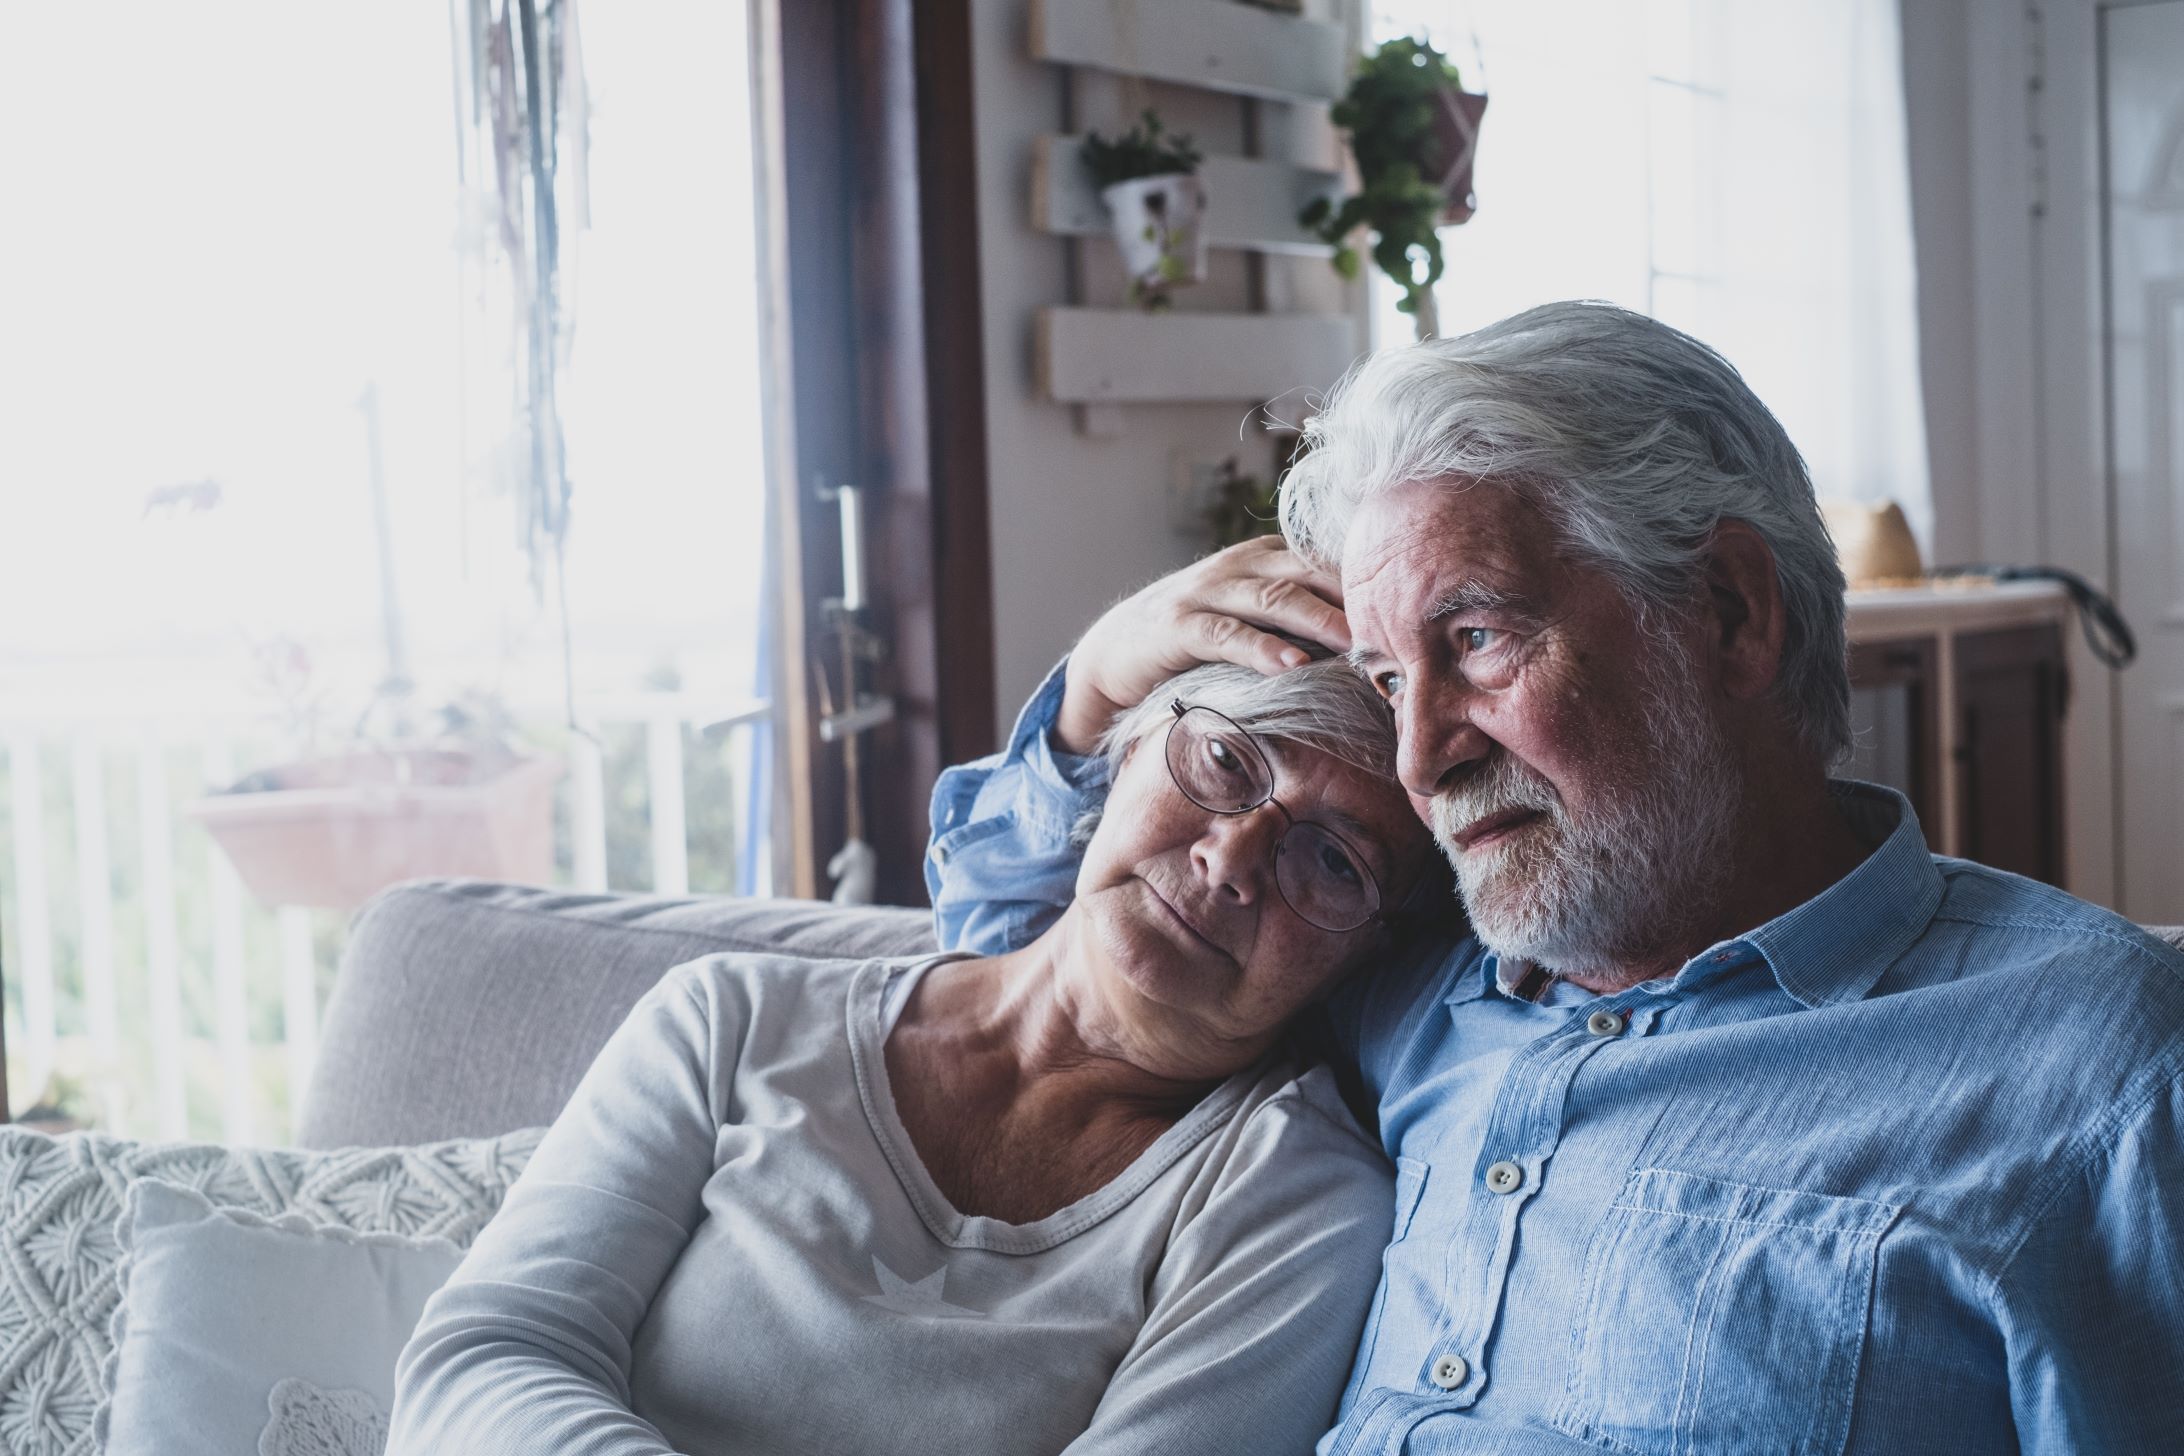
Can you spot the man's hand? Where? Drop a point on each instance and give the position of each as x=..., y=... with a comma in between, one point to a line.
x=1225, y=608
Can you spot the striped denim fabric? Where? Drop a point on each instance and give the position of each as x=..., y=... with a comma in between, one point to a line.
x=1900, y=1170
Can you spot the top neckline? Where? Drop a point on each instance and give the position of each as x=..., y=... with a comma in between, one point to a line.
x=867, y=1040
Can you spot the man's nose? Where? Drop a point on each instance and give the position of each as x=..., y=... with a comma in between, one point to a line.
x=1437, y=743
x=1236, y=852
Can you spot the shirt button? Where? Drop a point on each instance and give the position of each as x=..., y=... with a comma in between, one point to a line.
x=1449, y=1371
x=1606, y=1023
x=940, y=854
x=1504, y=1177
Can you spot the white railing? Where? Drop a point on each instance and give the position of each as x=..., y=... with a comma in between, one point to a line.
x=177, y=1006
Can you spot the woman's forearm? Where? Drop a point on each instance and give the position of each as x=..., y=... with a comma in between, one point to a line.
x=472, y=1385
x=528, y=1348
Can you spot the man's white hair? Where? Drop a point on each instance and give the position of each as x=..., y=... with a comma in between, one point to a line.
x=1634, y=441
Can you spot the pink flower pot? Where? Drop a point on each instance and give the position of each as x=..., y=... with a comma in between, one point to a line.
x=332, y=832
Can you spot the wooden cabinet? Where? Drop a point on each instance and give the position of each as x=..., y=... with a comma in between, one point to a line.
x=2009, y=749
x=1895, y=716
x=1957, y=699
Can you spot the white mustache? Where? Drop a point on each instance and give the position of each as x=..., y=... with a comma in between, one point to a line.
x=1504, y=786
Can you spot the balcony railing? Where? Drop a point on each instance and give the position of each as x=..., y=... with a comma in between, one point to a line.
x=172, y=1004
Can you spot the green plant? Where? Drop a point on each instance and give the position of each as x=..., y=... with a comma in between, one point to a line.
x=1389, y=113
x=1145, y=150
x=1243, y=506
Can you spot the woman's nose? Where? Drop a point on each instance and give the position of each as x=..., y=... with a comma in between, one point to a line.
x=1235, y=853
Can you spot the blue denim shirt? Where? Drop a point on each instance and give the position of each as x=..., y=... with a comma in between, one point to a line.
x=1901, y=1170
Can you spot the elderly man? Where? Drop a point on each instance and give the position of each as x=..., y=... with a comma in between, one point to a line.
x=1734, y=1121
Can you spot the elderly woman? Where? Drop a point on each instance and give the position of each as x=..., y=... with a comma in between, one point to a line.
x=1079, y=1197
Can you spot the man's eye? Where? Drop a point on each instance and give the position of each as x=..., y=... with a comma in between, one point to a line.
x=1388, y=684
x=1478, y=639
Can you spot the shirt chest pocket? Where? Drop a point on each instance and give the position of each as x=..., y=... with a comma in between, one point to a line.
x=1718, y=1318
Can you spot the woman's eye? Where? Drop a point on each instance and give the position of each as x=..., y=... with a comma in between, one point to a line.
x=1223, y=757
x=1340, y=865
x=1388, y=684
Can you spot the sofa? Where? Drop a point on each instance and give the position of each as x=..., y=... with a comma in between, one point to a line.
x=463, y=1017
x=180, y=1298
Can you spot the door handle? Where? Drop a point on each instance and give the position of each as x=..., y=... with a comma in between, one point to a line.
x=864, y=711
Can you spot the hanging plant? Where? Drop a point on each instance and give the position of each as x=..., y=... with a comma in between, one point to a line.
x=1414, y=131
x=1243, y=506
x=1156, y=206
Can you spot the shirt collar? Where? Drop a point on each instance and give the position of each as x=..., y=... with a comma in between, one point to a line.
x=1832, y=948
x=1829, y=950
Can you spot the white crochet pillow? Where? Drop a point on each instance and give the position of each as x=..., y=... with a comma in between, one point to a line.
x=61, y=1202
x=238, y=1333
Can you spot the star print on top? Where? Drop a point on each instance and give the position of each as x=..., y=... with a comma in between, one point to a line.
x=921, y=1296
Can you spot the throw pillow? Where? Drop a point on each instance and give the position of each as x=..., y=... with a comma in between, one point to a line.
x=61, y=1201
x=238, y=1333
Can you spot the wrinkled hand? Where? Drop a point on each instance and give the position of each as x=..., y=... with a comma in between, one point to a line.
x=1225, y=608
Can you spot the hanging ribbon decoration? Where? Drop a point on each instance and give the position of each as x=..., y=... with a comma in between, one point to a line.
x=521, y=103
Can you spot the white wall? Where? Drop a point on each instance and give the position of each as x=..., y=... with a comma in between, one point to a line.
x=1079, y=520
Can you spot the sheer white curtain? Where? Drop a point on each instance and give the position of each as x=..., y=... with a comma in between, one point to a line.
x=1737, y=170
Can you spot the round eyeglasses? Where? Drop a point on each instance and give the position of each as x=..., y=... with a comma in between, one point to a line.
x=1220, y=768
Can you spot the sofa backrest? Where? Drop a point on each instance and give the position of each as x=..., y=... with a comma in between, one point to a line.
x=468, y=1009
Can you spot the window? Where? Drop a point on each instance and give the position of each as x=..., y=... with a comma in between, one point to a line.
x=1738, y=171
x=252, y=480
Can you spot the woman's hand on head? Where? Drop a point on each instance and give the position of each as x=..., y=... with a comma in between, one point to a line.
x=1227, y=607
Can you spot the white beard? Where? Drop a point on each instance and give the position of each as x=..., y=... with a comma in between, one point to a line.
x=1637, y=873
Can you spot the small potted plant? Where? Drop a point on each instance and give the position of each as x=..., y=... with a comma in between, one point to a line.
x=393, y=799
x=1414, y=132
x=394, y=802
x=1156, y=205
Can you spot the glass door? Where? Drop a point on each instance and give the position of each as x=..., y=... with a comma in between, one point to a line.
x=291, y=605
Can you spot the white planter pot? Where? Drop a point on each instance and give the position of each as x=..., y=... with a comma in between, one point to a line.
x=1158, y=223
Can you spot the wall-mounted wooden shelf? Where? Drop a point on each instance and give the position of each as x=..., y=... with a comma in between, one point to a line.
x=1249, y=203
x=1096, y=359
x=1115, y=356
x=1216, y=44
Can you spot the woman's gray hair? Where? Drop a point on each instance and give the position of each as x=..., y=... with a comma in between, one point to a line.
x=1323, y=705
x=1634, y=440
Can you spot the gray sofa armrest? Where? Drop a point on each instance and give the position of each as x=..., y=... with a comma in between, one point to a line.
x=465, y=1008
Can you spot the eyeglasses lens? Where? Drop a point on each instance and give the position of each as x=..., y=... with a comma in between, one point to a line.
x=1216, y=764
x=1322, y=880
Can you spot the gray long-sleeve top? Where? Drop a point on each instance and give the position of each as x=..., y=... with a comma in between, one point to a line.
x=727, y=1244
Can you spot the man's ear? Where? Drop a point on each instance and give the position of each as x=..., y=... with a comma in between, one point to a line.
x=1744, y=593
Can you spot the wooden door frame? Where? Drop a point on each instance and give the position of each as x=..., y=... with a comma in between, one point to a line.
x=870, y=258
